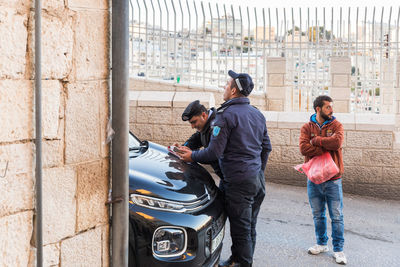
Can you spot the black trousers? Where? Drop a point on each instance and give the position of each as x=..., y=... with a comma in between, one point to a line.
x=242, y=205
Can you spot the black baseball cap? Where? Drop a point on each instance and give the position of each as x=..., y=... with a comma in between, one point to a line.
x=243, y=82
x=193, y=109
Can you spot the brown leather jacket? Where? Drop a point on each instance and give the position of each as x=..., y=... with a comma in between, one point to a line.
x=314, y=140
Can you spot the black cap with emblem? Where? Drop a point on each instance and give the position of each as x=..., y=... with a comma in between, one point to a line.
x=193, y=109
x=243, y=82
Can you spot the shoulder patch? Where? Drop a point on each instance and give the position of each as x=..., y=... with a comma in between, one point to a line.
x=221, y=109
x=254, y=107
x=216, y=131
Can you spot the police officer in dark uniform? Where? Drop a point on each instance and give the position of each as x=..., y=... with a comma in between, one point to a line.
x=200, y=118
x=240, y=141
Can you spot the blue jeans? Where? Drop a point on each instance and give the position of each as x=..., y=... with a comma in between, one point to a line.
x=319, y=195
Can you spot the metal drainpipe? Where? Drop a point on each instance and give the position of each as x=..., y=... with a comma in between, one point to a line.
x=38, y=142
x=120, y=142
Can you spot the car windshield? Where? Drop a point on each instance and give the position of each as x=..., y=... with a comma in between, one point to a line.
x=134, y=143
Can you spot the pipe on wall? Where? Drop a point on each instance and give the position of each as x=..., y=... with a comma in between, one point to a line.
x=120, y=142
x=38, y=132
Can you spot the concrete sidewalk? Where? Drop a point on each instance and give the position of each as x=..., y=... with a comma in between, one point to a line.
x=285, y=230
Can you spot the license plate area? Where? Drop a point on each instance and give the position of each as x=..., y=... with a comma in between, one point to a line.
x=217, y=240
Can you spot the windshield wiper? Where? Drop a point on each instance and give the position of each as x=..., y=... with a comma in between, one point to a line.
x=134, y=148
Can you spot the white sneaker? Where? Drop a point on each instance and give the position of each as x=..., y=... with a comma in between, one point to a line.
x=316, y=249
x=340, y=257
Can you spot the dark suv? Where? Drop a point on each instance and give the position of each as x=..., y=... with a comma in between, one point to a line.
x=176, y=212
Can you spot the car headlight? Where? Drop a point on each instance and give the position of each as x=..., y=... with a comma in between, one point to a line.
x=155, y=203
x=169, y=241
x=167, y=205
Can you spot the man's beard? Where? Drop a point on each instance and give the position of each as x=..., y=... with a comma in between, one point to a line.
x=325, y=117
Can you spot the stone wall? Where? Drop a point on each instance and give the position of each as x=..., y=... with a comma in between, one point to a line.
x=75, y=73
x=257, y=99
x=371, y=159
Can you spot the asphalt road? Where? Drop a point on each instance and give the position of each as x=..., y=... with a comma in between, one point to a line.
x=285, y=230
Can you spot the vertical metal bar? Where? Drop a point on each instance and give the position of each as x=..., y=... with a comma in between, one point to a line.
x=241, y=39
x=181, y=72
x=397, y=93
x=380, y=62
x=153, y=35
x=175, y=54
x=365, y=89
x=397, y=46
x=373, y=48
x=316, y=27
x=277, y=31
x=340, y=30
x=324, y=74
x=211, y=43
x=197, y=34
x=308, y=58
x=234, y=38
x=284, y=33
x=204, y=44
x=295, y=67
x=264, y=59
x=256, y=47
x=190, y=43
x=389, y=37
x=388, y=51
x=132, y=40
x=38, y=132
x=349, y=46
x=120, y=143
x=356, y=72
x=332, y=33
x=160, y=41
x=348, y=34
x=167, y=39
x=218, y=48
x=316, y=80
x=139, y=35
x=300, y=78
x=146, y=44
x=248, y=41
x=269, y=32
x=226, y=40
x=325, y=31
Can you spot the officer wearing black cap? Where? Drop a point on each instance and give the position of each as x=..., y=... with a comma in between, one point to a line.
x=200, y=118
x=240, y=141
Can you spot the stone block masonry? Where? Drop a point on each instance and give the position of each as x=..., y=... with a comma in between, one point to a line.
x=75, y=74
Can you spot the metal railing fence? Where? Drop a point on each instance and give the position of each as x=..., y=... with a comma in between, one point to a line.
x=197, y=43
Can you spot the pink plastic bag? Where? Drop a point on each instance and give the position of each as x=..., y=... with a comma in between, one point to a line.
x=319, y=169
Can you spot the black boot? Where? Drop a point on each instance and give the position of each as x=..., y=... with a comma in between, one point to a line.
x=229, y=263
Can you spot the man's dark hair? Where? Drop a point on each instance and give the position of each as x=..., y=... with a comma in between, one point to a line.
x=199, y=111
x=319, y=101
x=193, y=109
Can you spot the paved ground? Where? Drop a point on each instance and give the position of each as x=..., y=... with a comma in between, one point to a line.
x=285, y=231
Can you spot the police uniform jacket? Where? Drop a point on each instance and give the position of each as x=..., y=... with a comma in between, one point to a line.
x=202, y=139
x=239, y=140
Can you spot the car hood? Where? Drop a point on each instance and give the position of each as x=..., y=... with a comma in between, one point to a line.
x=158, y=173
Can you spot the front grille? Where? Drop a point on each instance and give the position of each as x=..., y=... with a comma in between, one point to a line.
x=198, y=204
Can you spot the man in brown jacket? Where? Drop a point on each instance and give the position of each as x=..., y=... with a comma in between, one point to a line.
x=324, y=133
